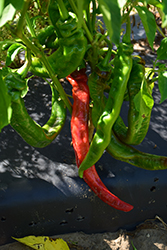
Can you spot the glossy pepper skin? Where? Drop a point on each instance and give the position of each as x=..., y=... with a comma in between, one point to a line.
x=68, y=56
x=47, y=37
x=80, y=140
x=126, y=153
x=26, y=127
x=101, y=139
x=138, y=123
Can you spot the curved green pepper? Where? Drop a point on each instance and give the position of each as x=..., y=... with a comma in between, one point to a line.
x=138, y=122
x=72, y=48
x=126, y=153
x=25, y=126
x=101, y=139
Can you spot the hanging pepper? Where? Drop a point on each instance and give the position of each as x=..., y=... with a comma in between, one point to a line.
x=101, y=139
x=126, y=153
x=80, y=140
x=25, y=126
x=72, y=48
x=138, y=122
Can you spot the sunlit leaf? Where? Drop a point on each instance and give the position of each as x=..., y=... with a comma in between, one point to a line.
x=7, y=14
x=156, y=3
x=148, y=22
x=162, y=85
x=148, y=100
x=8, y=10
x=121, y=3
x=43, y=243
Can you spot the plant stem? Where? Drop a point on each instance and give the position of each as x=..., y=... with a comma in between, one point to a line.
x=153, y=80
x=160, y=31
x=19, y=28
x=63, y=11
x=89, y=35
x=44, y=60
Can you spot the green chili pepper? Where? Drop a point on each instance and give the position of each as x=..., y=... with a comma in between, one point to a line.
x=126, y=153
x=25, y=126
x=69, y=54
x=138, y=121
x=101, y=139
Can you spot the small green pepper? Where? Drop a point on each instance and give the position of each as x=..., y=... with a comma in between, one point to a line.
x=45, y=33
x=25, y=126
x=69, y=54
x=138, y=122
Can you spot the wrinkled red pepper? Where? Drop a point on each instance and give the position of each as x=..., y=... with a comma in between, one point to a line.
x=80, y=139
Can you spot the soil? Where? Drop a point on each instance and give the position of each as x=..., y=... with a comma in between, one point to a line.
x=152, y=235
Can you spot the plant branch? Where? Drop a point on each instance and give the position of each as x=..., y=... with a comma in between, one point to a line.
x=21, y=21
x=47, y=65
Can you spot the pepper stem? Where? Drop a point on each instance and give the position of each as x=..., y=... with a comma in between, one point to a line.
x=63, y=11
x=21, y=21
x=127, y=37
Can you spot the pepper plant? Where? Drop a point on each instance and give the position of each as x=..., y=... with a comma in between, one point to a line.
x=63, y=38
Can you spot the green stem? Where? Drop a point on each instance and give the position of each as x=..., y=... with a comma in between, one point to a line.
x=63, y=11
x=94, y=15
x=31, y=30
x=19, y=28
x=126, y=38
x=153, y=80
x=44, y=60
x=160, y=31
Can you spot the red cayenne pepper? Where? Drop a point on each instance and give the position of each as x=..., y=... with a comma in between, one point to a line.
x=80, y=139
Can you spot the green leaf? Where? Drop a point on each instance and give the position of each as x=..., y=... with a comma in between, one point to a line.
x=148, y=99
x=7, y=14
x=164, y=19
x=155, y=3
x=13, y=50
x=162, y=85
x=5, y=104
x=112, y=18
x=148, y=22
x=121, y=3
x=9, y=10
x=162, y=50
x=17, y=4
x=43, y=242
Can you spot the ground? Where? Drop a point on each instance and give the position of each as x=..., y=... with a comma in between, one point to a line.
x=152, y=235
